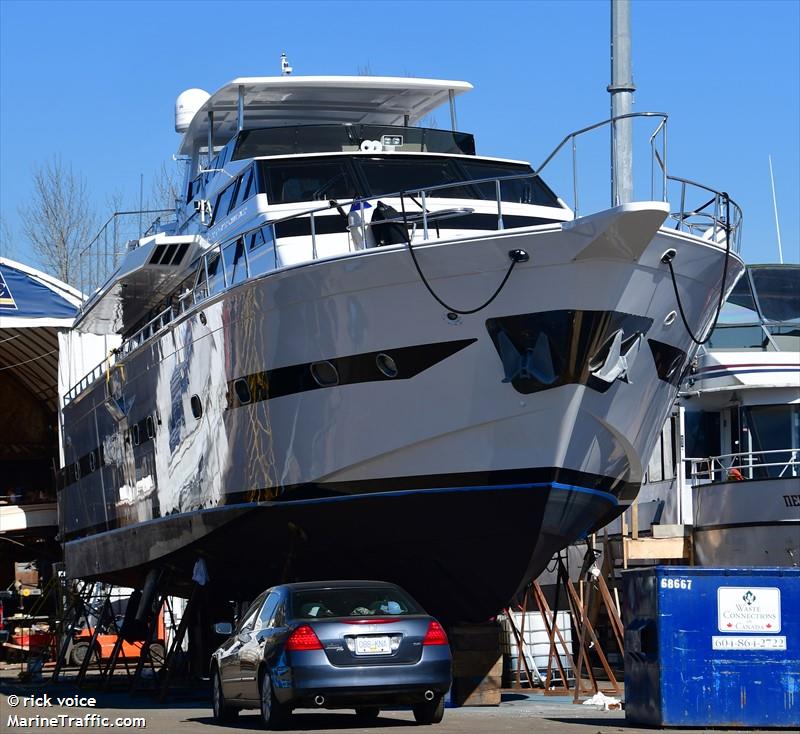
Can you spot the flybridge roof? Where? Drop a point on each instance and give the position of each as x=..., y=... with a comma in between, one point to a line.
x=290, y=100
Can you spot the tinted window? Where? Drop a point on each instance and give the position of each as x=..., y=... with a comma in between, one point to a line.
x=336, y=138
x=246, y=188
x=235, y=265
x=738, y=337
x=267, y=611
x=261, y=251
x=740, y=308
x=378, y=600
x=778, y=292
x=224, y=202
x=249, y=617
x=386, y=176
x=520, y=191
x=215, y=282
x=308, y=181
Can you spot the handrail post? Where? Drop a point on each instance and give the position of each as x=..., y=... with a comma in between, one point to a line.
x=575, y=174
x=313, y=238
x=499, y=205
x=424, y=216
x=664, y=196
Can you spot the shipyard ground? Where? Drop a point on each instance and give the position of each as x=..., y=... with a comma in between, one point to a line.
x=519, y=713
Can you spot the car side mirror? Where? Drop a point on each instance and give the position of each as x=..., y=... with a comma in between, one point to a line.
x=223, y=628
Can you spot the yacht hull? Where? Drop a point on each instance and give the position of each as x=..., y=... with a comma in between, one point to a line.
x=283, y=444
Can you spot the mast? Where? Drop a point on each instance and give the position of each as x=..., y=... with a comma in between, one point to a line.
x=621, y=90
x=775, y=207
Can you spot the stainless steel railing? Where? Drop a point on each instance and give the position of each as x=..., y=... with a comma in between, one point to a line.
x=748, y=465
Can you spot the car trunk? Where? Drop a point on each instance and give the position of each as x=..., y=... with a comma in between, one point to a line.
x=372, y=641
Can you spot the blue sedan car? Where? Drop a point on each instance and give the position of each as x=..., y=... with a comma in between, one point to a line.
x=336, y=644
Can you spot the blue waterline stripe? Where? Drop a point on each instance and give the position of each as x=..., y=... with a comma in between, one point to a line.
x=608, y=497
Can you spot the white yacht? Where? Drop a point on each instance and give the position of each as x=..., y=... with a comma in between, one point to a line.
x=742, y=426
x=363, y=350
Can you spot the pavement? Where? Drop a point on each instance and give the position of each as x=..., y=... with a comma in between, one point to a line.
x=519, y=713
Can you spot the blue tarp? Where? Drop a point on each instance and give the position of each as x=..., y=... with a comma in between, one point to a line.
x=23, y=295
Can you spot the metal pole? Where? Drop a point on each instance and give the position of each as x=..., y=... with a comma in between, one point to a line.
x=621, y=90
x=210, y=137
x=775, y=207
x=453, y=120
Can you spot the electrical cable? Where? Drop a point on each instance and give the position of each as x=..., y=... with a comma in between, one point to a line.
x=668, y=257
x=32, y=359
x=517, y=256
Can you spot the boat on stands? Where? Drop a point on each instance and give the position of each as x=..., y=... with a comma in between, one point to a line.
x=364, y=350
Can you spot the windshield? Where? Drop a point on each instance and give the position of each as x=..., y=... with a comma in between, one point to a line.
x=319, y=179
x=354, y=602
x=778, y=292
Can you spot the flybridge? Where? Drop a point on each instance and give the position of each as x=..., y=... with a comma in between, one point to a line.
x=257, y=102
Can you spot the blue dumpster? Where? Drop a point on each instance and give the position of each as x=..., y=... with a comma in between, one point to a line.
x=712, y=646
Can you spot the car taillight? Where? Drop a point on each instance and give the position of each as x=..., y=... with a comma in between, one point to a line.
x=435, y=634
x=303, y=638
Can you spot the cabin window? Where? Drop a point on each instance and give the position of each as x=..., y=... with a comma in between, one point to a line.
x=246, y=188
x=518, y=191
x=215, y=282
x=235, y=262
x=197, y=406
x=740, y=308
x=149, y=425
x=386, y=176
x=310, y=180
x=242, y=391
x=325, y=374
x=778, y=293
x=224, y=201
x=261, y=251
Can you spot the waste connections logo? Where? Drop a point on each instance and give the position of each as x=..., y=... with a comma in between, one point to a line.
x=741, y=609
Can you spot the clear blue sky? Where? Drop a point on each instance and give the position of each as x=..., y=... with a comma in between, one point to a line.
x=95, y=82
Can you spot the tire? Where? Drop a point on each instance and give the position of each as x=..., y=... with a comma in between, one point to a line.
x=368, y=713
x=430, y=712
x=158, y=655
x=274, y=714
x=78, y=653
x=222, y=712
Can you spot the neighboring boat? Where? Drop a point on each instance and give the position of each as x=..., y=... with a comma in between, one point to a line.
x=365, y=351
x=742, y=417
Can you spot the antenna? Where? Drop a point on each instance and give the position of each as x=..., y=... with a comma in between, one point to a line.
x=775, y=207
x=286, y=70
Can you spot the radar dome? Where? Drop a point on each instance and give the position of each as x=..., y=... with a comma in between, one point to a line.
x=186, y=107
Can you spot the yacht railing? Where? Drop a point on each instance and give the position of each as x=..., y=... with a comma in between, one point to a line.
x=714, y=217
x=102, y=255
x=748, y=465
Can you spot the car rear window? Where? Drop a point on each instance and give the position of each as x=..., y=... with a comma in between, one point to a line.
x=351, y=602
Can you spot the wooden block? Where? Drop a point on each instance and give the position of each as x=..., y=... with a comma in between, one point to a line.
x=474, y=663
x=476, y=691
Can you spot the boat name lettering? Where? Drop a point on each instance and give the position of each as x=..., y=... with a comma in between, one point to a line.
x=792, y=500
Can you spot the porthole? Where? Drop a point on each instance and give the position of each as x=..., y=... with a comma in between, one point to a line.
x=77, y=470
x=135, y=434
x=197, y=406
x=91, y=462
x=324, y=374
x=203, y=319
x=242, y=391
x=149, y=425
x=386, y=365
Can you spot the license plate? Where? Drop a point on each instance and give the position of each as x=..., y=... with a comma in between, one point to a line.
x=373, y=645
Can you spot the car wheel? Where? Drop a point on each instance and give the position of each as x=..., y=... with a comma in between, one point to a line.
x=430, y=712
x=78, y=653
x=222, y=712
x=368, y=713
x=273, y=712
